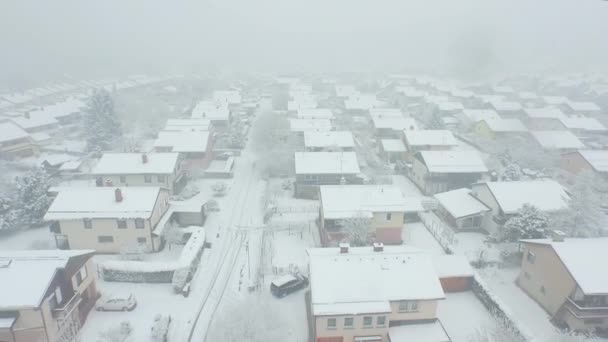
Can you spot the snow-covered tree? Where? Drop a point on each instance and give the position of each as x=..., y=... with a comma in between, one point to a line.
x=219, y=189
x=512, y=172
x=584, y=216
x=525, y=223
x=31, y=199
x=8, y=216
x=356, y=230
x=101, y=124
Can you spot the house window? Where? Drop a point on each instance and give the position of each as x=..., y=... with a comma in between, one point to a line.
x=408, y=306
x=142, y=240
x=331, y=323
x=148, y=179
x=348, y=323
x=367, y=321
x=121, y=223
x=388, y=216
x=105, y=239
x=81, y=275
x=531, y=257
x=139, y=223
x=380, y=321
x=87, y=223
x=160, y=178
x=58, y=295
x=123, y=179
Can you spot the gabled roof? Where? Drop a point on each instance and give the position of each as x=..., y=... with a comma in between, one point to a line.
x=598, y=159
x=309, y=125
x=557, y=140
x=393, y=145
x=342, y=139
x=506, y=105
x=348, y=201
x=583, y=106
x=397, y=273
x=133, y=163
x=460, y=203
x=527, y=95
x=10, y=131
x=100, y=202
x=210, y=110
x=361, y=102
x=430, y=138
x=476, y=115
x=326, y=163
x=188, y=141
x=181, y=125
x=581, y=258
x=315, y=113
x=450, y=106
x=453, y=161
x=28, y=274
x=505, y=125
x=395, y=123
x=546, y=195
x=544, y=113
x=555, y=100
x=34, y=121
x=582, y=123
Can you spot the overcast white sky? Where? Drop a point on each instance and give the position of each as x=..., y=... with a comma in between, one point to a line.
x=462, y=37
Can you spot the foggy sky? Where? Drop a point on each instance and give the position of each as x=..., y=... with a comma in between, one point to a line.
x=458, y=37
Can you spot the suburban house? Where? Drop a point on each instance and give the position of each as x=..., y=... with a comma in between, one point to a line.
x=66, y=112
x=194, y=147
x=562, y=276
x=555, y=100
x=428, y=140
x=45, y=295
x=439, y=171
x=230, y=97
x=492, y=128
x=393, y=150
x=140, y=169
x=324, y=168
x=374, y=294
x=359, y=103
x=331, y=140
x=544, y=118
x=557, y=140
x=300, y=101
x=581, y=107
x=454, y=271
x=299, y=126
x=219, y=114
x=505, y=199
x=37, y=123
x=15, y=142
x=585, y=160
x=461, y=210
x=582, y=125
x=389, y=122
x=108, y=219
x=381, y=207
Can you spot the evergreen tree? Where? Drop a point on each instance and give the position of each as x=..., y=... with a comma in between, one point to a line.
x=31, y=196
x=102, y=126
x=525, y=224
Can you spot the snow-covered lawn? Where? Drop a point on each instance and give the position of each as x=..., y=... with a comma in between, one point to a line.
x=472, y=244
x=287, y=248
x=408, y=188
x=415, y=234
x=462, y=314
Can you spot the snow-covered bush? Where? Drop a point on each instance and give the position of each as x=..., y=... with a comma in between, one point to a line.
x=188, y=192
x=120, y=333
x=219, y=189
x=356, y=230
x=160, y=328
x=31, y=200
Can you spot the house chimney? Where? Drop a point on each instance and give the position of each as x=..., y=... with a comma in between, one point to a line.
x=118, y=195
x=344, y=246
x=109, y=182
x=378, y=247
x=557, y=235
x=144, y=158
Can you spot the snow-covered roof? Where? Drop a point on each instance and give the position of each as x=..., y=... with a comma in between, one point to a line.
x=133, y=163
x=67, y=107
x=527, y=95
x=100, y=202
x=453, y=161
x=557, y=139
x=549, y=112
x=227, y=96
x=450, y=106
x=555, y=100
x=422, y=332
x=598, y=159
x=409, y=91
x=460, y=203
x=361, y=102
x=342, y=139
x=304, y=125
x=430, y=138
x=9, y=131
x=476, y=115
x=34, y=121
x=28, y=274
x=462, y=93
x=189, y=141
x=503, y=89
x=452, y=265
x=490, y=97
x=345, y=90
x=583, y=106
x=393, y=145
x=354, y=308
x=196, y=124
x=386, y=112
x=326, y=163
x=582, y=123
x=546, y=195
x=505, y=125
x=315, y=113
x=436, y=99
x=395, y=123
x=212, y=111
x=394, y=274
x=302, y=103
x=348, y=201
x=507, y=106
x=72, y=165
x=581, y=257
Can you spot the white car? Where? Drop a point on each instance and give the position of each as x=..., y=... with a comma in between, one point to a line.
x=116, y=303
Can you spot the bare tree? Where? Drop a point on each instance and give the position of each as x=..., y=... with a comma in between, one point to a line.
x=356, y=229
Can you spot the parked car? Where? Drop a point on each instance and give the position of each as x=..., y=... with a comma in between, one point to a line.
x=116, y=303
x=287, y=284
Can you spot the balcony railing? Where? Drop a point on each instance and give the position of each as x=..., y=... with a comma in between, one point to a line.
x=62, y=312
x=586, y=311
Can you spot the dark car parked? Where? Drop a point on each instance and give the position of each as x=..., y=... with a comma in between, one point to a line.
x=287, y=284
